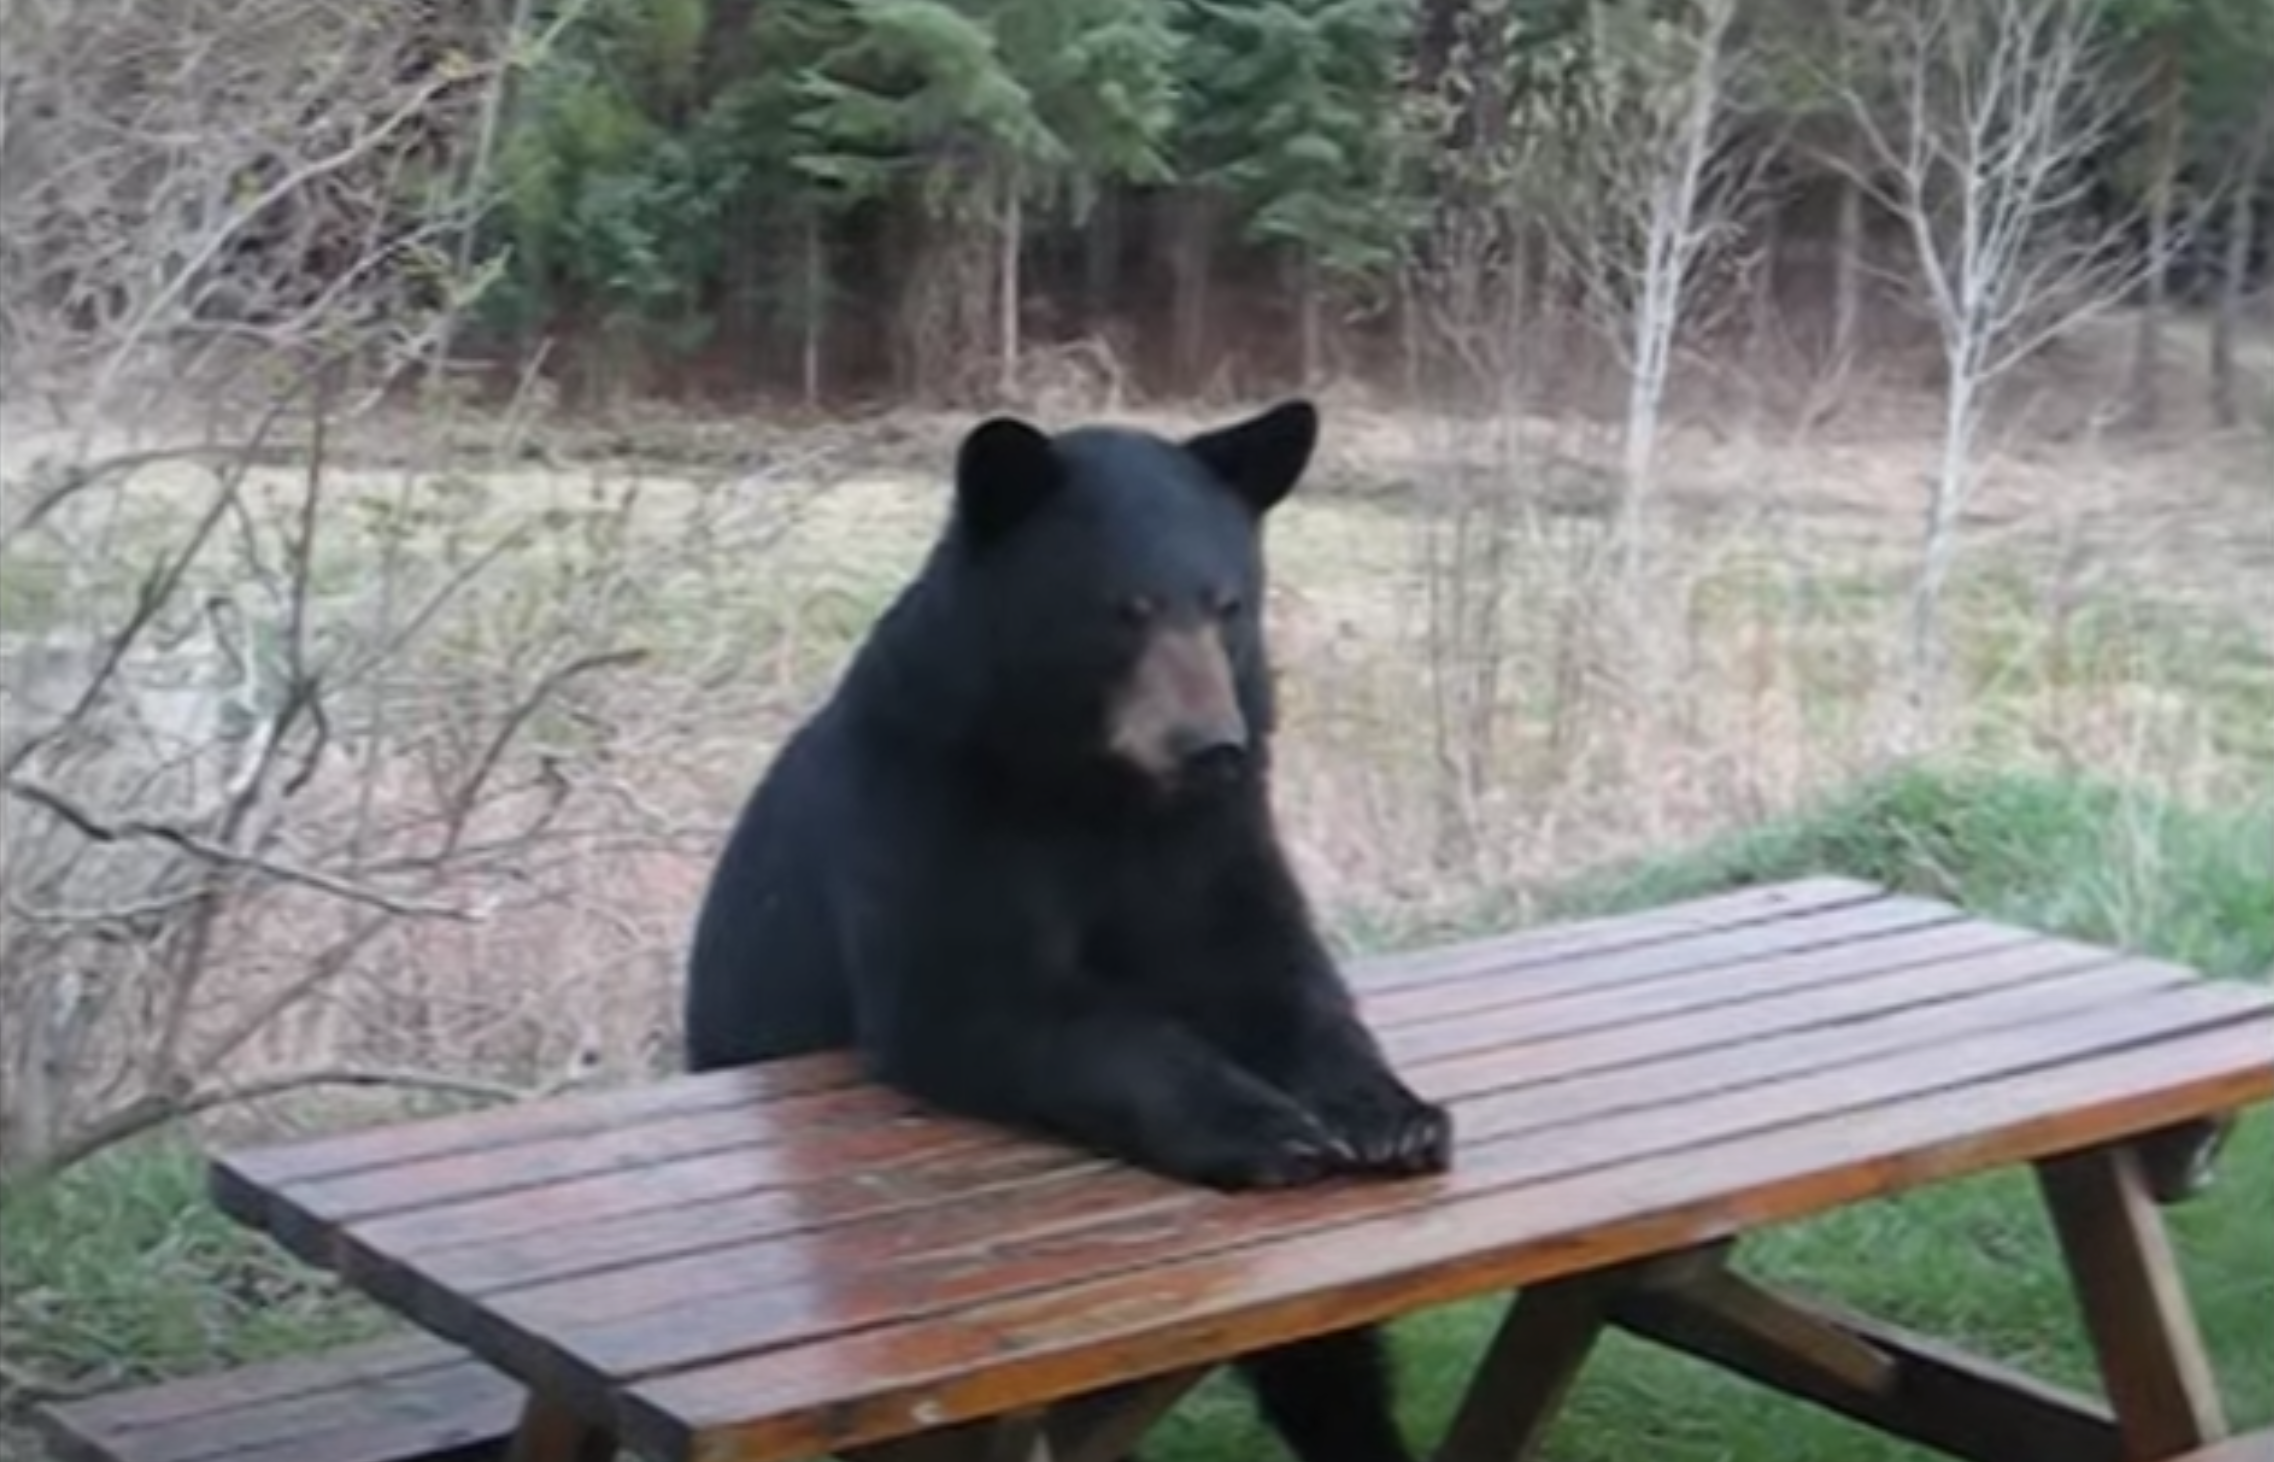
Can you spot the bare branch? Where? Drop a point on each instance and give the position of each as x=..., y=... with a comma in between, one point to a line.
x=103, y=831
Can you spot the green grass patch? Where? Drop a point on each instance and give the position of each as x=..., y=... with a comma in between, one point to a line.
x=2084, y=859
x=122, y=1271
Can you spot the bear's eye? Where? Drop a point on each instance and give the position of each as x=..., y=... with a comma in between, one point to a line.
x=1137, y=609
x=1229, y=605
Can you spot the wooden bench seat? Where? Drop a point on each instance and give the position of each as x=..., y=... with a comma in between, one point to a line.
x=2255, y=1447
x=413, y=1400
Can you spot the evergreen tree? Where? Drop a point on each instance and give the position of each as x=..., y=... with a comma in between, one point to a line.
x=1291, y=112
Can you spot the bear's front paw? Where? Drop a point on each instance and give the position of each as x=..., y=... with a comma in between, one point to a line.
x=1392, y=1131
x=1283, y=1147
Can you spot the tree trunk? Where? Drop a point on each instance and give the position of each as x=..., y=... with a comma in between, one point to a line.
x=1952, y=479
x=1190, y=266
x=2234, y=272
x=1307, y=295
x=1670, y=246
x=1007, y=288
x=1101, y=260
x=1761, y=303
x=2147, y=346
x=1847, y=271
x=813, y=308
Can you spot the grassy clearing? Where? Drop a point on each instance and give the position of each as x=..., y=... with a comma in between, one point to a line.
x=122, y=1271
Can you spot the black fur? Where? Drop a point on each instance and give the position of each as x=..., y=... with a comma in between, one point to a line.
x=950, y=868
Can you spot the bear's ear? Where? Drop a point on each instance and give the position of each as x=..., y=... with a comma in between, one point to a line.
x=1261, y=457
x=1003, y=471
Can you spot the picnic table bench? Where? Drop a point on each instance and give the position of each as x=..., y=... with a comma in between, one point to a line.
x=787, y=1261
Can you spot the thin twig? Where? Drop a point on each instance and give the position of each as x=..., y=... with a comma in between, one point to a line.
x=133, y=829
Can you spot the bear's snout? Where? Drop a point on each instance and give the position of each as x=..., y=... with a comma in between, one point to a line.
x=1177, y=718
x=1211, y=756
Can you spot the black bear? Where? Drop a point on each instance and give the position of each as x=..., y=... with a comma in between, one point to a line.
x=1023, y=859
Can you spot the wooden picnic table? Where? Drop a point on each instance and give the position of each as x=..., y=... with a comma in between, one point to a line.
x=787, y=1261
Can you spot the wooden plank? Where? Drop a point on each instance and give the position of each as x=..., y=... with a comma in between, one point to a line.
x=486, y=1266
x=1037, y=1347
x=655, y=1315
x=1549, y=943
x=2257, y=1447
x=2134, y=1301
x=265, y=1381
x=543, y=1163
x=1527, y=1371
x=1690, y=992
x=367, y=1407
x=625, y=1260
x=866, y=1110
x=1550, y=1053
x=1755, y=1320
x=1715, y=949
x=560, y=1116
x=606, y=1203
x=1911, y=1387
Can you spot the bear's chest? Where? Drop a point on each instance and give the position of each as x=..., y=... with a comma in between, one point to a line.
x=1152, y=919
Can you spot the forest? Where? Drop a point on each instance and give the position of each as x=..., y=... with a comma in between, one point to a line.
x=862, y=200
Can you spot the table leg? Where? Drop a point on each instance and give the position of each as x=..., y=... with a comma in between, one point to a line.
x=551, y=1433
x=1527, y=1371
x=2135, y=1307
x=1106, y=1425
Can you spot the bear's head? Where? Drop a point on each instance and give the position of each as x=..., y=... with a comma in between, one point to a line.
x=1117, y=581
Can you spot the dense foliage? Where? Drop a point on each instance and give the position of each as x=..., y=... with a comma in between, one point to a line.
x=837, y=193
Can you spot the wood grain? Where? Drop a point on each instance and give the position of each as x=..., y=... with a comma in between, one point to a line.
x=881, y=1128
x=1776, y=1035
x=811, y=1398
x=657, y=1316
x=371, y=1403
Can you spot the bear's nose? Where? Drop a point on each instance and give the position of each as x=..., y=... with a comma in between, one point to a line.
x=1212, y=756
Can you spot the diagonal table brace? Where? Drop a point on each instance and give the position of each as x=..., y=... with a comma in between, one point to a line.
x=2105, y=1211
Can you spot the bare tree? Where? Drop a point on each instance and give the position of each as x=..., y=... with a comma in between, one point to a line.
x=266, y=730
x=2168, y=100
x=1981, y=119
x=1657, y=186
x=2242, y=203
